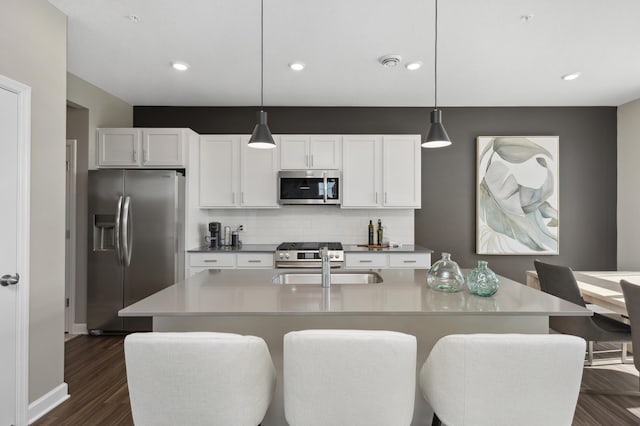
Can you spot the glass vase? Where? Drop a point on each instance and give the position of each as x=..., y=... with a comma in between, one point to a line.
x=445, y=275
x=482, y=281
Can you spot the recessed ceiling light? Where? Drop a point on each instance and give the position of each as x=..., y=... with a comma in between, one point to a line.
x=296, y=66
x=133, y=18
x=572, y=76
x=180, y=66
x=412, y=66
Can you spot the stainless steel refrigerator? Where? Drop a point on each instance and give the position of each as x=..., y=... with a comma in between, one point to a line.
x=136, y=243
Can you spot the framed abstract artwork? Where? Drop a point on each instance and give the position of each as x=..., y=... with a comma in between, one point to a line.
x=517, y=195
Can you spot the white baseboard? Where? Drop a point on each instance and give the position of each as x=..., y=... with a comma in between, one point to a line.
x=77, y=328
x=48, y=402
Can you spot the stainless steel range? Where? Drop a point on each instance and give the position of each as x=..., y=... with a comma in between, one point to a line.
x=307, y=255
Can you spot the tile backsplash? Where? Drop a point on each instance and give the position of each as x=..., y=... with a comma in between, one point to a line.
x=308, y=223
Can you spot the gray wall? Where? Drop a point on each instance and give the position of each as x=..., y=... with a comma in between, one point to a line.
x=33, y=42
x=446, y=221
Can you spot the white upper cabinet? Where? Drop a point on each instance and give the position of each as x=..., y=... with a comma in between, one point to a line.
x=136, y=147
x=118, y=147
x=401, y=171
x=219, y=173
x=361, y=171
x=163, y=147
x=381, y=171
x=301, y=152
x=259, y=175
x=233, y=175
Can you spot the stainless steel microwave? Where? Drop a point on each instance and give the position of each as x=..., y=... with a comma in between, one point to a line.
x=309, y=187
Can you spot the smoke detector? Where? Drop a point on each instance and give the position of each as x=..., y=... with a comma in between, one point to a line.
x=390, y=61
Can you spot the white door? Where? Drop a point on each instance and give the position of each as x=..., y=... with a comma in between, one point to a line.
x=118, y=147
x=325, y=152
x=162, y=147
x=294, y=152
x=14, y=133
x=401, y=171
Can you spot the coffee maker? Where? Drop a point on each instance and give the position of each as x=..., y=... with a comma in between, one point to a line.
x=215, y=229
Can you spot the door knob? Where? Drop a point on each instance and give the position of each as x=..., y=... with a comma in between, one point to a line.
x=6, y=280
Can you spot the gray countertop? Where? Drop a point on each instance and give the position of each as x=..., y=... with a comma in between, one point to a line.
x=251, y=292
x=244, y=248
x=405, y=248
x=348, y=248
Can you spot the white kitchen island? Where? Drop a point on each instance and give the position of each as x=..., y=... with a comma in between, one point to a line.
x=248, y=302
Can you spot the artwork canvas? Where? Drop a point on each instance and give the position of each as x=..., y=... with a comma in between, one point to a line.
x=517, y=195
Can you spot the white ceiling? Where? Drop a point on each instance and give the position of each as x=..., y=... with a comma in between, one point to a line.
x=488, y=55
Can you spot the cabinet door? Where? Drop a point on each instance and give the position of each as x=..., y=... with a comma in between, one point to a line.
x=365, y=260
x=409, y=260
x=255, y=260
x=325, y=152
x=294, y=152
x=118, y=147
x=162, y=147
x=361, y=169
x=401, y=171
x=259, y=176
x=219, y=174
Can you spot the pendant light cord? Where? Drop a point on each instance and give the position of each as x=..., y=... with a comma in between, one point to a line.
x=262, y=54
x=435, y=63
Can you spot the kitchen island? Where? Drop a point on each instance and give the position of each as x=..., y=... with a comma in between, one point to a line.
x=253, y=302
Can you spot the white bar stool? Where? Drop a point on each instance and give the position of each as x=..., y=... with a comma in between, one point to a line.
x=198, y=378
x=349, y=377
x=503, y=379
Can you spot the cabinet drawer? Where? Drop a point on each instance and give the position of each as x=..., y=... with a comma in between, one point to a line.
x=409, y=260
x=255, y=260
x=366, y=260
x=213, y=260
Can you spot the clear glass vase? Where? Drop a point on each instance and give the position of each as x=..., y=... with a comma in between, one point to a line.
x=482, y=281
x=445, y=275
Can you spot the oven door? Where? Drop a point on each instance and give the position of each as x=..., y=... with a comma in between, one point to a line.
x=309, y=187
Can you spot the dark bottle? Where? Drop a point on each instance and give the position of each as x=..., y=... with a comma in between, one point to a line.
x=379, y=232
x=370, y=233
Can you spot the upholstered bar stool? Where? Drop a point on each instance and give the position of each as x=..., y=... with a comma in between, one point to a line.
x=349, y=377
x=198, y=378
x=503, y=379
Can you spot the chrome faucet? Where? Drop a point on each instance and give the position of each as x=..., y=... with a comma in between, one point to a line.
x=326, y=267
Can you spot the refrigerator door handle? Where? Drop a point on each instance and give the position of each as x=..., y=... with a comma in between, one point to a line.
x=118, y=231
x=127, y=231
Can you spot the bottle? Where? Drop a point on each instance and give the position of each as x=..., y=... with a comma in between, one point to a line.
x=370, y=232
x=379, y=232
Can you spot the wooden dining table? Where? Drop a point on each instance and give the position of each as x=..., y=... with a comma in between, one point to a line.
x=600, y=288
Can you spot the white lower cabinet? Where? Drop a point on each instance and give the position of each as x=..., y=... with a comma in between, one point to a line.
x=410, y=260
x=365, y=260
x=419, y=260
x=255, y=260
x=199, y=262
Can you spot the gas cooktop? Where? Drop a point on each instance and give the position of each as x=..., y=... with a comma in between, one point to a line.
x=309, y=246
x=307, y=255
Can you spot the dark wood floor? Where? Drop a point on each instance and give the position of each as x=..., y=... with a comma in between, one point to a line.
x=95, y=373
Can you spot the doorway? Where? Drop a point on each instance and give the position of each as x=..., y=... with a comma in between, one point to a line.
x=70, y=235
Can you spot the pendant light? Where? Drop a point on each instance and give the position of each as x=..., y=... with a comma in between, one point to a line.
x=437, y=136
x=261, y=136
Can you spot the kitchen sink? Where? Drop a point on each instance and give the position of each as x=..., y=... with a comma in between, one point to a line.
x=336, y=278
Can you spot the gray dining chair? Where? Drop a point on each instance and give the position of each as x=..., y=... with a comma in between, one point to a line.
x=559, y=281
x=632, y=301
